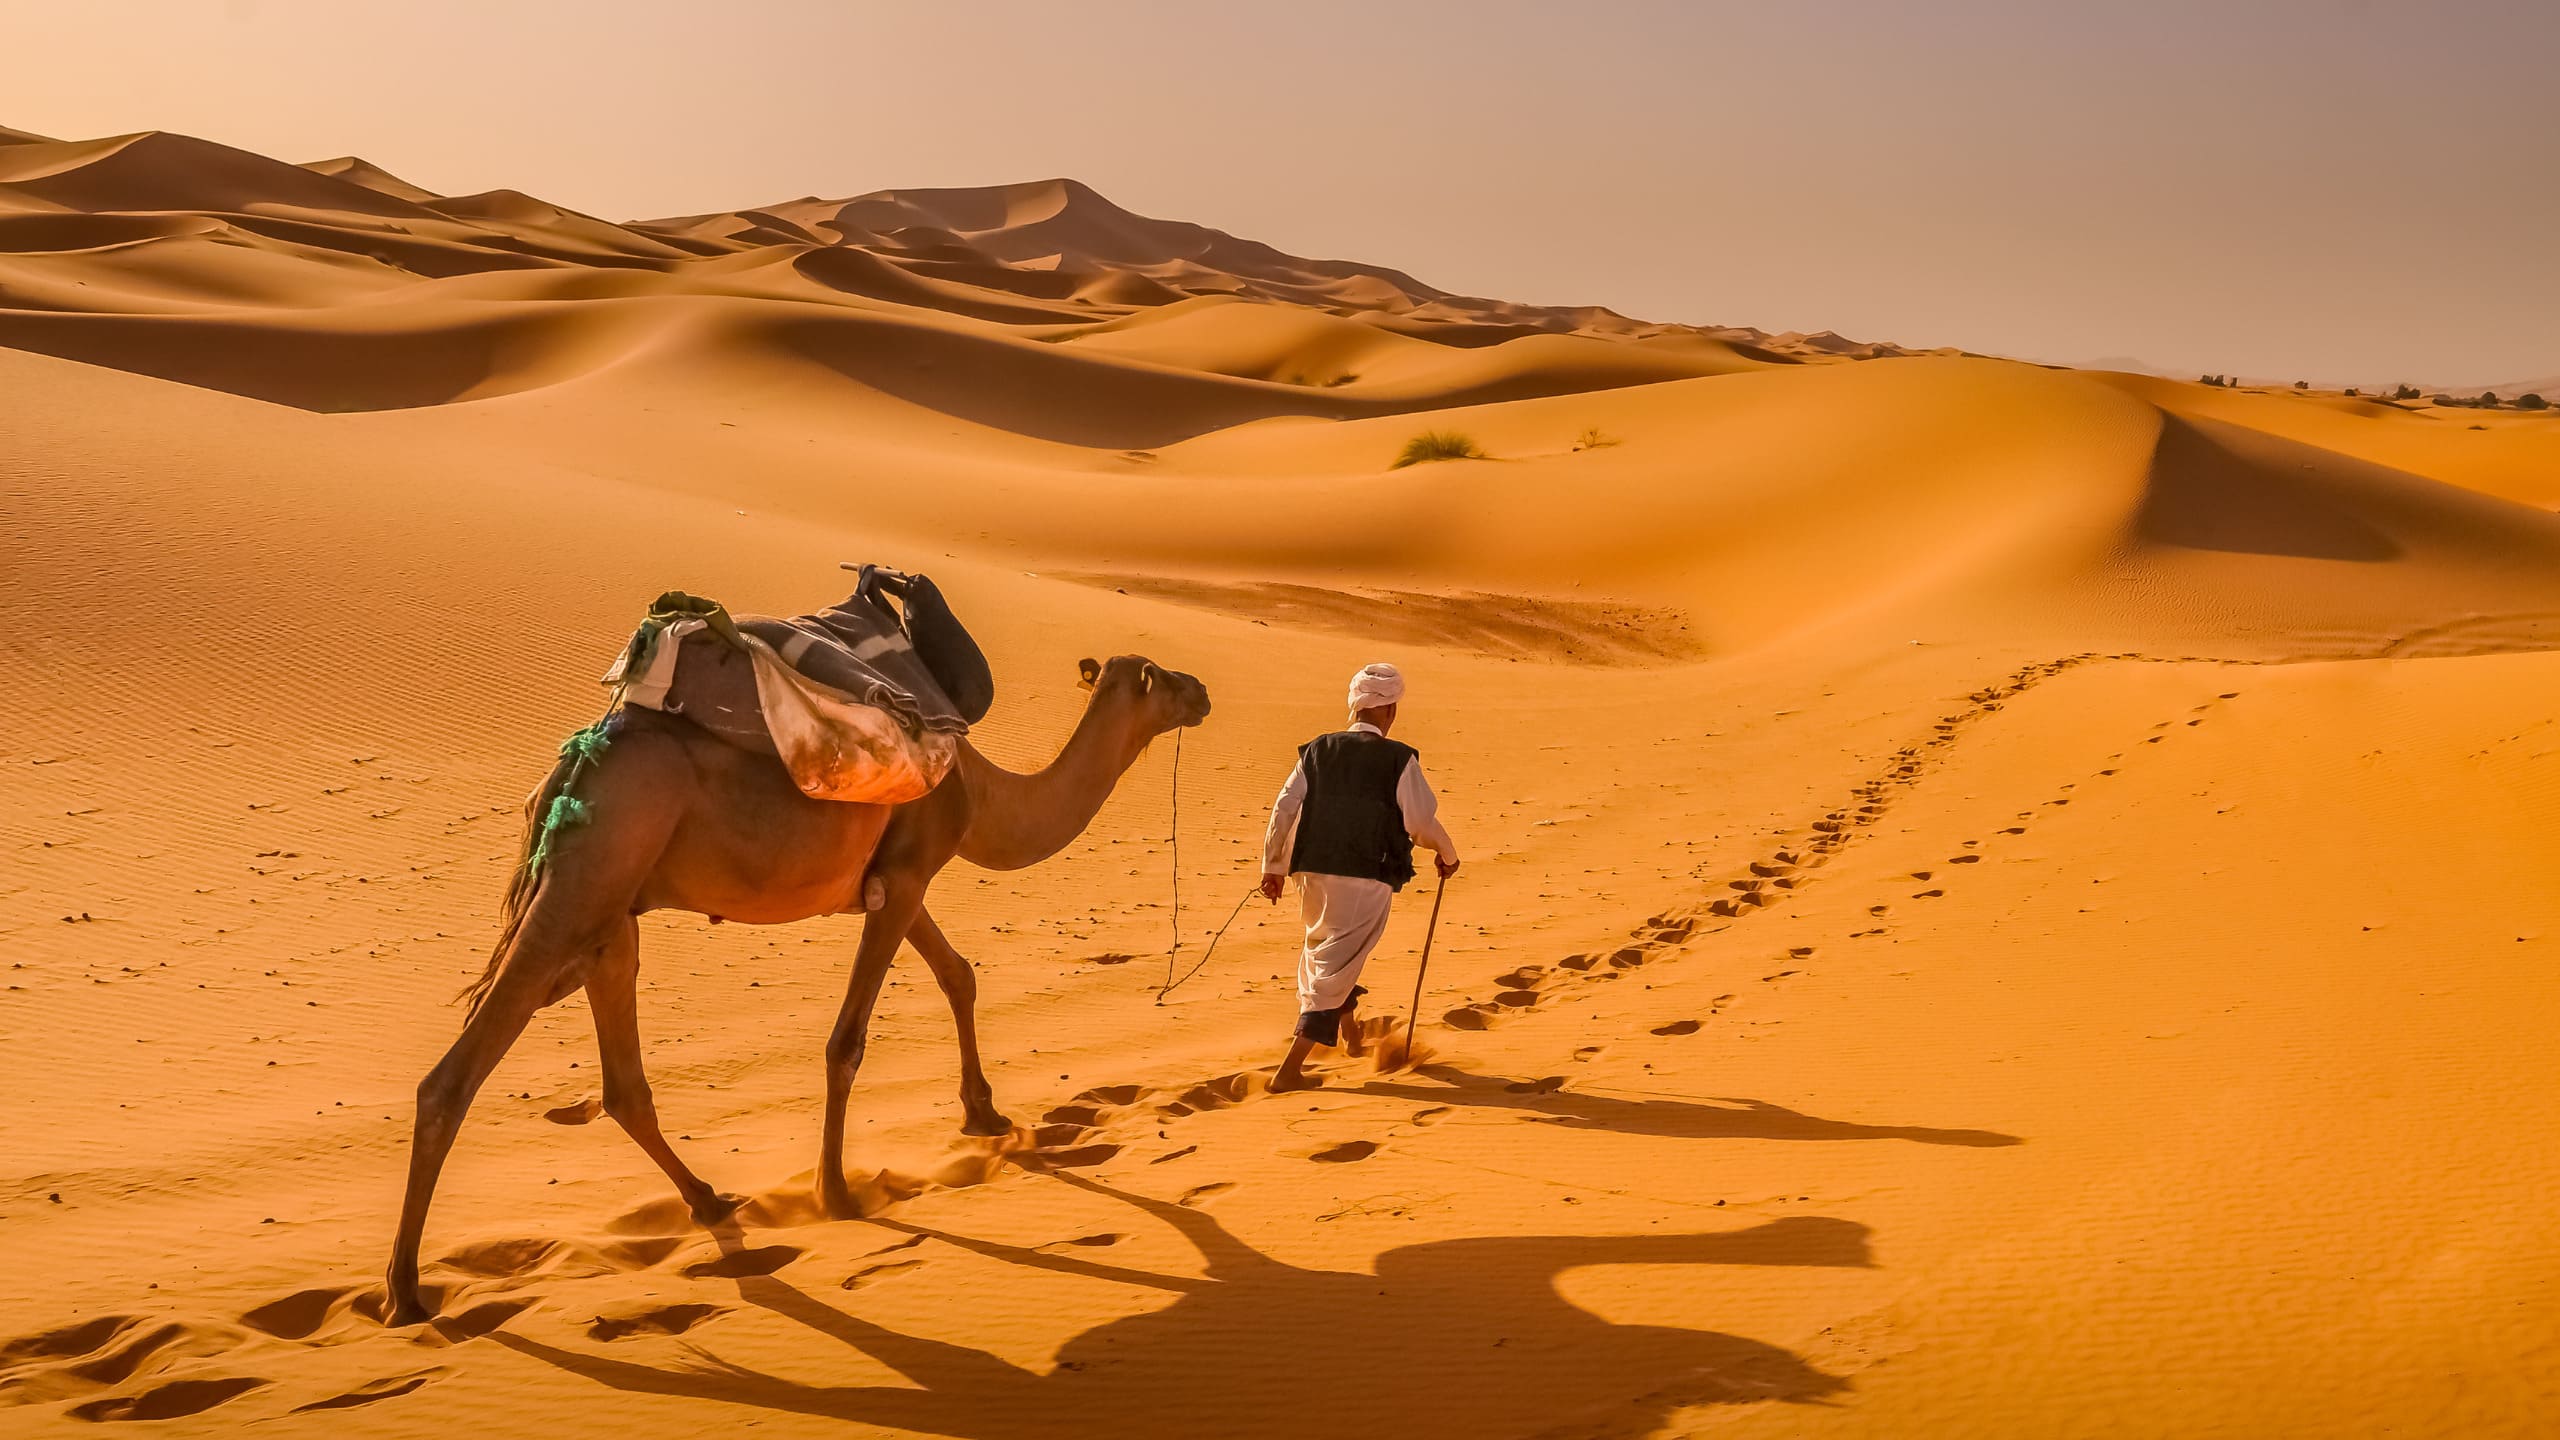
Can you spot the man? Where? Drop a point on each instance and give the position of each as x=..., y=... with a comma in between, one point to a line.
x=1344, y=825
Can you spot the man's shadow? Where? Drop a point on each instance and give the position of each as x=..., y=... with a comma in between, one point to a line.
x=1457, y=1338
x=1716, y=1119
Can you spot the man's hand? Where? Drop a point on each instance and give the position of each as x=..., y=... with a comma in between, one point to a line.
x=1271, y=886
x=1446, y=867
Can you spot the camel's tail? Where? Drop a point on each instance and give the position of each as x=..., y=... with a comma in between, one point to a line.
x=526, y=878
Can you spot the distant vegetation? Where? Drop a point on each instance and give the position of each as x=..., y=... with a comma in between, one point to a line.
x=2485, y=400
x=1594, y=439
x=1437, y=445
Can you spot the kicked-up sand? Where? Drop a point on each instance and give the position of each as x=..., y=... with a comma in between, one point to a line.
x=1999, y=900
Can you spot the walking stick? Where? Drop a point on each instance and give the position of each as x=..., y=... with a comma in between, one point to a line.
x=1419, y=970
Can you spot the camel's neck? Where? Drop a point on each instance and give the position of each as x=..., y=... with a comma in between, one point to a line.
x=1018, y=820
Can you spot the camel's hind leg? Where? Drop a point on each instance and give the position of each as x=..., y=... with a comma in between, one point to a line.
x=576, y=916
x=443, y=1099
x=612, y=991
x=959, y=981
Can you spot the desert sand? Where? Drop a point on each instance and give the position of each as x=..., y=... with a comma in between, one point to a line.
x=2001, y=900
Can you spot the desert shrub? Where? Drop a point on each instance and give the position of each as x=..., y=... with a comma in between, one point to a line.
x=2445, y=400
x=2353, y=391
x=1436, y=445
x=1340, y=380
x=1594, y=439
x=2488, y=400
x=2301, y=384
x=2531, y=401
x=2404, y=392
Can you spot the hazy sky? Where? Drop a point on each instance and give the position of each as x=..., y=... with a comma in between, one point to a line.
x=2348, y=191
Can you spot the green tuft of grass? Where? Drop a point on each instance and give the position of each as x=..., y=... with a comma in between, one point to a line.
x=1436, y=445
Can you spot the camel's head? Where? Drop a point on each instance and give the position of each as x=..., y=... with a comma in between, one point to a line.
x=1168, y=699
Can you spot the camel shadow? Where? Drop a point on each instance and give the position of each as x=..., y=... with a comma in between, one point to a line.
x=1719, y=1118
x=1455, y=1338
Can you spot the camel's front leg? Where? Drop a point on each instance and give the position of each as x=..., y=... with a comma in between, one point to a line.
x=883, y=930
x=959, y=981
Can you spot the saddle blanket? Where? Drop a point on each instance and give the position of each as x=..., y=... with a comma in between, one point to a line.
x=840, y=697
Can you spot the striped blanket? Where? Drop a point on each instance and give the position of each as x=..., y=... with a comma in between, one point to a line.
x=840, y=697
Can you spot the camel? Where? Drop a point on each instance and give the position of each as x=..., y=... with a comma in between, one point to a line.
x=683, y=820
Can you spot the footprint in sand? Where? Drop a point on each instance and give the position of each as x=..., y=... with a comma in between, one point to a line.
x=1431, y=1116
x=1928, y=894
x=1078, y=1158
x=388, y=1388
x=1346, y=1152
x=741, y=1264
x=1677, y=1027
x=577, y=1113
x=1080, y=1242
x=298, y=1315
x=1589, y=1052
x=1198, y=1193
x=628, y=1321
x=881, y=1271
x=172, y=1401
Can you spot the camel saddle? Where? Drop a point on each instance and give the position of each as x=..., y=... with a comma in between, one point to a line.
x=840, y=697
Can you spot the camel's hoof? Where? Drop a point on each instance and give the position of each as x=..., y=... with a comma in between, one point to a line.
x=990, y=1127
x=1283, y=1085
x=840, y=1206
x=405, y=1314
x=717, y=1209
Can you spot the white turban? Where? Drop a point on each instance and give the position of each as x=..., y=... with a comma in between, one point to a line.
x=1376, y=686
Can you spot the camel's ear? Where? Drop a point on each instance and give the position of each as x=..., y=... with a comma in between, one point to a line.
x=1147, y=677
x=1088, y=671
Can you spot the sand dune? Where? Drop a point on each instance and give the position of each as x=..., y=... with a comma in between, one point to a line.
x=2000, y=900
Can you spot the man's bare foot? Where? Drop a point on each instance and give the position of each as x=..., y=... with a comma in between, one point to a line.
x=1354, y=1044
x=1285, y=1082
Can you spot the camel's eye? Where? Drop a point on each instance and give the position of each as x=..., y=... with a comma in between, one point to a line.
x=1087, y=672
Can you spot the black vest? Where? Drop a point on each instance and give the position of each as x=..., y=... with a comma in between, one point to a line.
x=1351, y=823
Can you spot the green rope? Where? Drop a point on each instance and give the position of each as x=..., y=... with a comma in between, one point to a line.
x=587, y=746
x=567, y=810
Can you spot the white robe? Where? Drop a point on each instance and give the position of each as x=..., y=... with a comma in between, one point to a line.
x=1345, y=915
